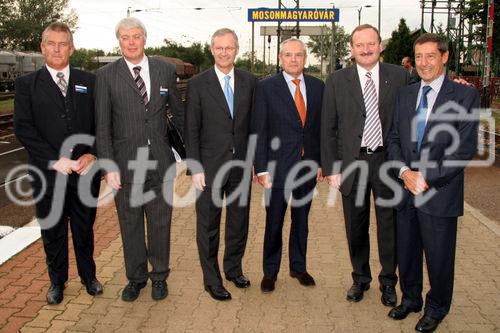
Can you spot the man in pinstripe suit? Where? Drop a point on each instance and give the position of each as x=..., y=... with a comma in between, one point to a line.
x=132, y=94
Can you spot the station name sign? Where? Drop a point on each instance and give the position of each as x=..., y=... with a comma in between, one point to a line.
x=297, y=14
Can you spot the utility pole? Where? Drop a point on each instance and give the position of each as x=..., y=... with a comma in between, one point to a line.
x=332, y=48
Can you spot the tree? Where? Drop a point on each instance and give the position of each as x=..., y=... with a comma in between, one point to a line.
x=341, y=43
x=244, y=62
x=400, y=45
x=86, y=59
x=23, y=21
x=196, y=54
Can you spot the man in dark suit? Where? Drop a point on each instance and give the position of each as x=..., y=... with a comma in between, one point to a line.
x=433, y=195
x=51, y=105
x=219, y=103
x=132, y=94
x=356, y=118
x=286, y=119
x=407, y=64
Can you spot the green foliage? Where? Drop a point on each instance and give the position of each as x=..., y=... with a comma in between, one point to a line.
x=244, y=62
x=341, y=43
x=86, y=59
x=23, y=21
x=196, y=54
x=400, y=45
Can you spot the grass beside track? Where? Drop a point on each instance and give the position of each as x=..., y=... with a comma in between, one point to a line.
x=7, y=106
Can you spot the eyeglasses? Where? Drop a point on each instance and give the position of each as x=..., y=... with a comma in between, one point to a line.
x=222, y=49
x=126, y=38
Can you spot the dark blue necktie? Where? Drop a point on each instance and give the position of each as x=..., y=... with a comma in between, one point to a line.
x=422, y=115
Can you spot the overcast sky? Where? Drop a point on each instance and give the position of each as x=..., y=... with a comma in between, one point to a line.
x=179, y=20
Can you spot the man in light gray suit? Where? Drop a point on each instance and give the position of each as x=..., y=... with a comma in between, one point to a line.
x=132, y=94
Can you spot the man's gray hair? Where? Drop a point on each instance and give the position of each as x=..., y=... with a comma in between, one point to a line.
x=222, y=32
x=290, y=40
x=130, y=23
x=58, y=27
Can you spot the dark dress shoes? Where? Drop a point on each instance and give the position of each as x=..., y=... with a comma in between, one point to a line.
x=267, y=284
x=401, y=312
x=218, y=292
x=132, y=291
x=389, y=297
x=55, y=293
x=355, y=293
x=240, y=281
x=427, y=324
x=159, y=290
x=304, y=278
x=93, y=286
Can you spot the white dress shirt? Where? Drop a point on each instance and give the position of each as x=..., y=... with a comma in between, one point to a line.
x=362, y=80
x=292, y=87
x=144, y=73
x=221, y=76
x=53, y=73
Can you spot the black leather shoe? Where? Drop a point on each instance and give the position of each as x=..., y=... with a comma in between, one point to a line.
x=159, y=290
x=240, y=281
x=267, y=284
x=218, y=292
x=94, y=287
x=55, y=293
x=304, y=278
x=355, y=293
x=401, y=312
x=132, y=291
x=427, y=324
x=389, y=297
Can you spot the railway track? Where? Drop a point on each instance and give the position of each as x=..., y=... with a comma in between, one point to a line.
x=6, y=95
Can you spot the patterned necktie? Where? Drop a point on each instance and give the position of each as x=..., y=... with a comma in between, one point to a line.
x=62, y=84
x=422, y=115
x=299, y=102
x=141, y=85
x=372, y=133
x=228, y=92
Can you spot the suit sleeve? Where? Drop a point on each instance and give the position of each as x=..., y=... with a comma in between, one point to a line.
x=175, y=103
x=39, y=150
x=93, y=149
x=192, y=126
x=317, y=158
x=329, y=129
x=394, y=151
x=467, y=133
x=103, y=116
x=259, y=127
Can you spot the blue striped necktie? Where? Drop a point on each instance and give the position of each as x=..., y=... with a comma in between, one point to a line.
x=228, y=92
x=422, y=115
x=372, y=132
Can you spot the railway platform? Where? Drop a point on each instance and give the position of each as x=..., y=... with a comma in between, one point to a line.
x=290, y=308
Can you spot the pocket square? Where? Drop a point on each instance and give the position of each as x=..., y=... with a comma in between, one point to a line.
x=80, y=89
x=163, y=91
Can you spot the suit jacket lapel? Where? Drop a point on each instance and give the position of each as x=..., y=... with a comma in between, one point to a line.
x=442, y=97
x=412, y=107
x=239, y=84
x=384, y=86
x=354, y=87
x=215, y=89
x=127, y=76
x=284, y=92
x=51, y=88
x=154, y=77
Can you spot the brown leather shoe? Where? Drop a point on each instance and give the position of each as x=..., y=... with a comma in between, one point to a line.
x=304, y=278
x=267, y=284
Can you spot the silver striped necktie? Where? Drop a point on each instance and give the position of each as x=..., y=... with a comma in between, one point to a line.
x=372, y=133
x=141, y=85
x=62, y=84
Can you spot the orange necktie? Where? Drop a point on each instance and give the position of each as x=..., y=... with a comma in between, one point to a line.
x=299, y=102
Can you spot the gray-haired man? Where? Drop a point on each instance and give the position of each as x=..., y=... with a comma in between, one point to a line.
x=132, y=94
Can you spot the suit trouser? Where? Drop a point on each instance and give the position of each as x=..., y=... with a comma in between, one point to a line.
x=208, y=216
x=132, y=206
x=273, y=240
x=420, y=233
x=55, y=239
x=357, y=221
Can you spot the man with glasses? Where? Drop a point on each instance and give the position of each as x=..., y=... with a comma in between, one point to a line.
x=219, y=101
x=132, y=94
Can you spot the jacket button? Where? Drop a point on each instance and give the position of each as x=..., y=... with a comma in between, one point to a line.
x=63, y=116
x=146, y=121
